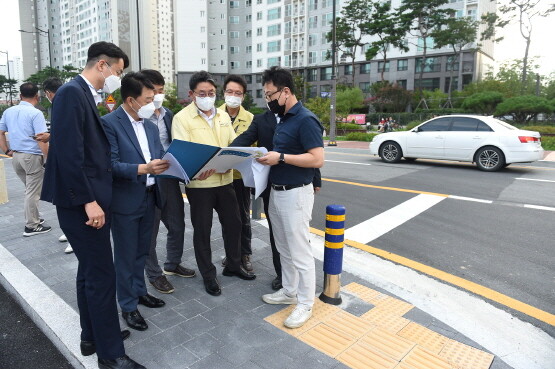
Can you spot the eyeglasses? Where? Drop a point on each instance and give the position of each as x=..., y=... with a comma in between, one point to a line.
x=236, y=93
x=119, y=72
x=268, y=96
x=204, y=94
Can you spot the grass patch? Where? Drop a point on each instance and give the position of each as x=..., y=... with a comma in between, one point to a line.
x=548, y=143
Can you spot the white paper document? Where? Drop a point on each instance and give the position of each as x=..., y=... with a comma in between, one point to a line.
x=175, y=168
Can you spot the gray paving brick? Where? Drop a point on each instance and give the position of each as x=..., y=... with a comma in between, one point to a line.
x=271, y=359
x=220, y=314
x=293, y=347
x=172, y=337
x=236, y=353
x=198, y=325
x=203, y=345
x=190, y=309
x=166, y=318
x=178, y=357
x=315, y=359
x=213, y=361
x=249, y=365
x=499, y=364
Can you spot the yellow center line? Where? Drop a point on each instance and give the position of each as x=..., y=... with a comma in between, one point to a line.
x=454, y=280
x=384, y=187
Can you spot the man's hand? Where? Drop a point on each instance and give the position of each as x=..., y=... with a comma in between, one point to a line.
x=271, y=158
x=206, y=174
x=316, y=189
x=42, y=137
x=157, y=166
x=95, y=214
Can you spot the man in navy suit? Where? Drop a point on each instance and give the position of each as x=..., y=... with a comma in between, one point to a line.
x=136, y=153
x=172, y=212
x=78, y=180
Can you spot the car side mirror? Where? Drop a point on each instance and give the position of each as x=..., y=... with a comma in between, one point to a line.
x=417, y=129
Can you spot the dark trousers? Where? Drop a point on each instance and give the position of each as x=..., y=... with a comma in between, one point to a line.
x=96, y=281
x=131, y=234
x=202, y=202
x=243, y=195
x=275, y=253
x=172, y=215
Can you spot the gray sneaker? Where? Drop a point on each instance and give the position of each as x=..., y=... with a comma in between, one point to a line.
x=37, y=230
x=279, y=297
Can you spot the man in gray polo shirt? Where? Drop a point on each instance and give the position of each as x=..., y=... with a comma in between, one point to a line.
x=24, y=122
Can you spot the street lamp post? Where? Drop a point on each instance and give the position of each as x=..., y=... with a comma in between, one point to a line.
x=9, y=77
x=332, y=140
x=42, y=32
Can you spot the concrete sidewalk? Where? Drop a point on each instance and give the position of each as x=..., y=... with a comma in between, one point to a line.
x=371, y=329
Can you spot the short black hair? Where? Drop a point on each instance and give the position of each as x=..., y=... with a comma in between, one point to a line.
x=28, y=90
x=132, y=85
x=199, y=77
x=237, y=79
x=153, y=76
x=103, y=48
x=52, y=84
x=279, y=77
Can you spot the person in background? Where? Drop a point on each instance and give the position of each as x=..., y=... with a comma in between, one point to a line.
x=172, y=212
x=24, y=122
x=235, y=88
x=201, y=122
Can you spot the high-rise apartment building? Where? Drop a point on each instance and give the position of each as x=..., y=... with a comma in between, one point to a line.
x=248, y=36
x=59, y=32
x=15, y=72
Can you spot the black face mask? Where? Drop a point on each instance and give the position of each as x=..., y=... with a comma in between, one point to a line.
x=276, y=108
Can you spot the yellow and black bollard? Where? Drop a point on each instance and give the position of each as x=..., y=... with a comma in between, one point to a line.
x=333, y=254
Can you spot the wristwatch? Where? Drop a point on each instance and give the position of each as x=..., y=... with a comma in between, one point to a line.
x=282, y=158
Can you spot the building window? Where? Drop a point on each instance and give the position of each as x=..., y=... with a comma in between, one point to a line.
x=276, y=61
x=313, y=4
x=259, y=47
x=402, y=64
x=259, y=63
x=248, y=49
x=312, y=57
x=348, y=70
x=430, y=44
x=202, y=29
x=234, y=34
x=312, y=40
x=259, y=94
x=274, y=14
x=259, y=16
x=402, y=83
x=248, y=79
x=248, y=18
x=313, y=22
x=427, y=84
x=248, y=34
x=327, y=19
x=287, y=27
x=248, y=64
x=234, y=49
x=248, y=2
x=454, y=86
x=273, y=1
x=467, y=66
x=365, y=68
x=259, y=78
x=312, y=75
x=259, y=31
x=312, y=91
x=431, y=65
x=383, y=67
x=364, y=86
x=274, y=46
x=234, y=4
x=451, y=64
x=287, y=61
x=274, y=30
x=234, y=19
x=234, y=64
x=288, y=10
x=325, y=74
x=326, y=55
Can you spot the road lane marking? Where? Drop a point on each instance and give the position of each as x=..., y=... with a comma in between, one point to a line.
x=539, y=207
x=536, y=180
x=384, y=187
x=470, y=199
x=346, y=162
x=379, y=225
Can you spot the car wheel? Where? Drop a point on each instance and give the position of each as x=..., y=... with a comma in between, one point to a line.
x=391, y=152
x=489, y=159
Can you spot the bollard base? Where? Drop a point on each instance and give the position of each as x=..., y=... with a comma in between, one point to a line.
x=330, y=300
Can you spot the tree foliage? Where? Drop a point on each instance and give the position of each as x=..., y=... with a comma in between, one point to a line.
x=347, y=101
x=524, y=108
x=483, y=102
x=390, y=98
x=65, y=74
x=8, y=85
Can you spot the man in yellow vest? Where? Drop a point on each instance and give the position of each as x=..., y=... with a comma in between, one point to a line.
x=235, y=88
x=201, y=122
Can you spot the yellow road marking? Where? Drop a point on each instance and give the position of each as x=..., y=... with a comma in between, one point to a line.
x=454, y=280
x=384, y=187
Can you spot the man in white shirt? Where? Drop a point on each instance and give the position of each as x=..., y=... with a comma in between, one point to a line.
x=136, y=152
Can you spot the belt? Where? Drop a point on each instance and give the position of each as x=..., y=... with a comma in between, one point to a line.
x=150, y=188
x=287, y=187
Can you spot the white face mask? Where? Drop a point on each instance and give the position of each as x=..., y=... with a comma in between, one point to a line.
x=111, y=83
x=146, y=111
x=233, y=101
x=205, y=103
x=158, y=100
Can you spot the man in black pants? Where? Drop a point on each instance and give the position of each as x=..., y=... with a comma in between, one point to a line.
x=262, y=131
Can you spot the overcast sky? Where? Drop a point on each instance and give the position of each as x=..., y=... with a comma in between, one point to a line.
x=512, y=47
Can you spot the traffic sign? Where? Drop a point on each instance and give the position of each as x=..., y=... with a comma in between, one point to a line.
x=110, y=102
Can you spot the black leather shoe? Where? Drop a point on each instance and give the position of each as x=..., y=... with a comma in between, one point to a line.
x=135, y=320
x=212, y=286
x=276, y=284
x=89, y=347
x=123, y=362
x=150, y=301
x=241, y=273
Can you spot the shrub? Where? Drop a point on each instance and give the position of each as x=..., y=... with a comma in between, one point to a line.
x=524, y=108
x=483, y=102
x=359, y=136
x=548, y=143
x=413, y=124
x=541, y=129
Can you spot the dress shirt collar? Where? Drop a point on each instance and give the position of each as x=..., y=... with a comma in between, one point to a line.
x=131, y=118
x=96, y=96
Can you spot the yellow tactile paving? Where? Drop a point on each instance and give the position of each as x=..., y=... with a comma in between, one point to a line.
x=381, y=338
x=464, y=356
x=421, y=358
x=359, y=356
x=327, y=339
x=382, y=318
x=349, y=324
x=424, y=337
x=388, y=343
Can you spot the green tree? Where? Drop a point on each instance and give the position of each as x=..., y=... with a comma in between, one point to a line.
x=456, y=33
x=391, y=98
x=483, y=102
x=383, y=24
x=347, y=101
x=420, y=18
x=8, y=85
x=248, y=101
x=301, y=86
x=549, y=90
x=65, y=74
x=170, y=100
x=320, y=106
x=523, y=12
x=524, y=108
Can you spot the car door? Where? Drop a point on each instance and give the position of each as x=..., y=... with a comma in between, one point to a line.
x=426, y=141
x=464, y=137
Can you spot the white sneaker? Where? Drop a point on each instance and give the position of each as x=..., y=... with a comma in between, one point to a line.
x=298, y=317
x=62, y=238
x=279, y=297
x=68, y=249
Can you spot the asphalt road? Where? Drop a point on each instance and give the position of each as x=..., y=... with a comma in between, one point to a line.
x=501, y=245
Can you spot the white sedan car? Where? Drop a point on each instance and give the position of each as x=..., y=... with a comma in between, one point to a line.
x=486, y=141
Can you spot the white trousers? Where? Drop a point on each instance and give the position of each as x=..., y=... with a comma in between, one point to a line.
x=290, y=214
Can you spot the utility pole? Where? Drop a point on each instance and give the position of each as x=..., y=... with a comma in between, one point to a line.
x=138, y=34
x=41, y=32
x=332, y=140
x=9, y=77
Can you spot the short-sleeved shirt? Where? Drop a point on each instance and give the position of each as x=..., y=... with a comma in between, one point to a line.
x=298, y=131
x=23, y=121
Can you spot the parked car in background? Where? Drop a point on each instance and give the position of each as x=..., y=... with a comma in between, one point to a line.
x=486, y=141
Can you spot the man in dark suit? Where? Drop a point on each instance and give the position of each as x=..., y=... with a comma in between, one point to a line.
x=136, y=153
x=78, y=180
x=172, y=212
x=262, y=131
